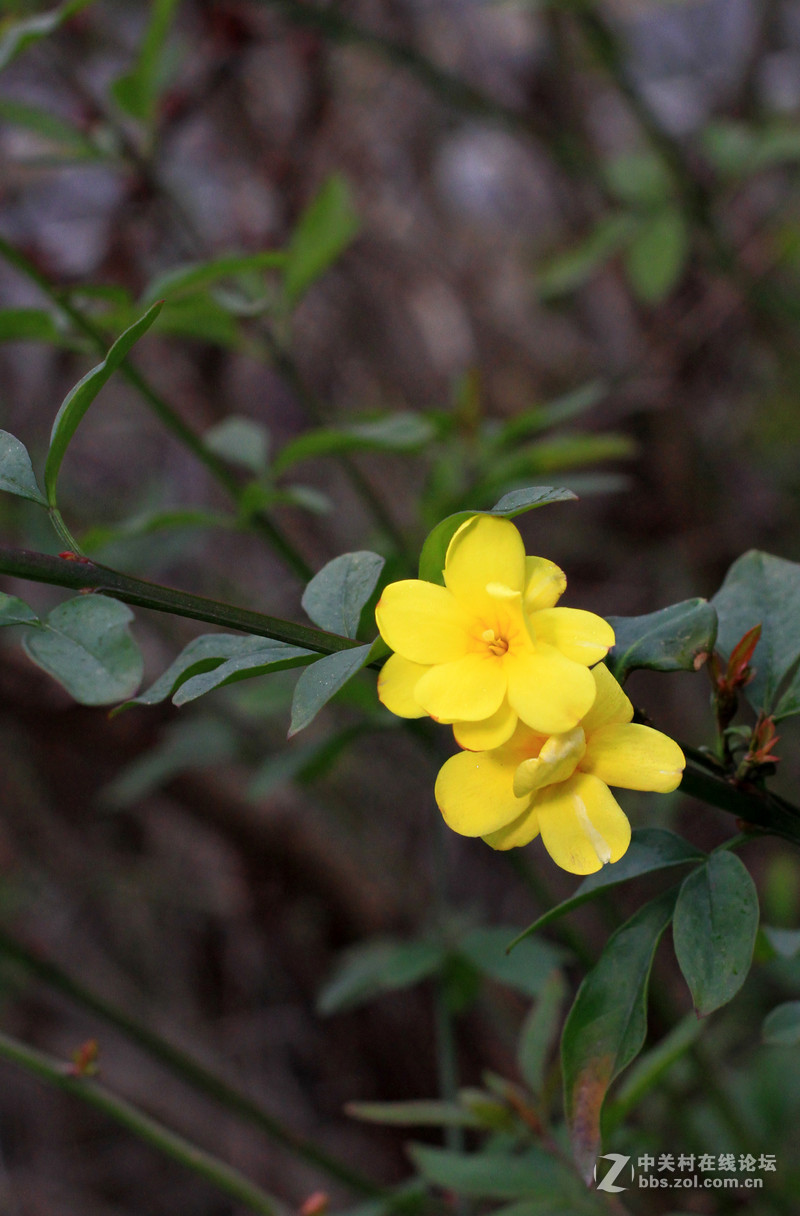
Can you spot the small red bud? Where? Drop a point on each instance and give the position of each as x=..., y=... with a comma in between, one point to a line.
x=84, y=1060
x=317, y=1204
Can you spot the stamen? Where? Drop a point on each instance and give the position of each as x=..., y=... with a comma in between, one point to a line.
x=599, y=843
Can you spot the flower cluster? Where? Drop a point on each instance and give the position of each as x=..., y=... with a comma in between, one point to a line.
x=544, y=725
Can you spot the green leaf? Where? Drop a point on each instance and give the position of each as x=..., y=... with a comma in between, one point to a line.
x=337, y=593
x=304, y=762
x=607, y=1024
x=136, y=92
x=29, y=325
x=540, y=1031
x=672, y=639
x=716, y=920
x=241, y=441
x=322, y=681
x=740, y=151
x=202, y=654
x=656, y=256
x=151, y=522
x=650, y=849
x=434, y=550
x=16, y=471
x=270, y=656
x=416, y=1113
x=762, y=589
x=784, y=942
x=51, y=128
x=490, y=1175
x=322, y=234
x=648, y=1070
x=781, y=1026
x=197, y=276
x=399, y=432
x=84, y=644
x=639, y=179
x=77, y=402
x=555, y=413
x=22, y=34
x=14, y=611
x=568, y=271
x=527, y=969
x=200, y=318
x=380, y=965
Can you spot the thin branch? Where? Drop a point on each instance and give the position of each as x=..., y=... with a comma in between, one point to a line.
x=218, y=1173
x=184, y=1066
x=89, y=576
x=169, y=418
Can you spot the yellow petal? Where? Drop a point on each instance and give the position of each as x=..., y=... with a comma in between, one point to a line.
x=559, y=757
x=582, y=636
x=491, y=732
x=545, y=583
x=634, y=757
x=485, y=550
x=521, y=832
x=468, y=689
x=583, y=826
x=422, y=622
x=549, y=692
x=610, y=704
x=474, y=792
x=396, y=683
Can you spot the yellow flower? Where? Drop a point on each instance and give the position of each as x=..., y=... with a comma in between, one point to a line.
x=558, y=786
x=489, y=648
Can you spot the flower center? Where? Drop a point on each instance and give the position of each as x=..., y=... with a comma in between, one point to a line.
x=495, y=644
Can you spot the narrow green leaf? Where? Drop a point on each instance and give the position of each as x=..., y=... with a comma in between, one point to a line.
x=648, y=1070
x=762, y=589
x=303, y=762
x=322, y=234
x=18, y=36
x=84, y=644
x=337, y=593
x=539, y=1032
x=14, y=611
x=197, y=276
x=403, y=431
x=672, y=639
x=151, y=522
x=656, y=257
x=651, y=849
x=639, y=179
x=489, y=1175
x=29, y=325
x=16, y=471
x=419, y=1113
x=77, y=402
x=322, y=681
x=567, y=271
x=378, y=966
x=201, y=318
x=434, y=550
x=51, y=128
x=781, y=1026
x=607, y=1024
x=716, y=920
x=527, y=969
x=136, y=92
x=202, y=654
x=241, y=441
x=269, y=657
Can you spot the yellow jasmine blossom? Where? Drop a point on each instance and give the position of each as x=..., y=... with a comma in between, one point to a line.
x=558, y=785
x=489, y=648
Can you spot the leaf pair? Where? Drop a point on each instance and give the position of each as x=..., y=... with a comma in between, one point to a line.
x=715, y=919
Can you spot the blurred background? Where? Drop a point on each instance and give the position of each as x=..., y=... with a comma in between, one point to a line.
x=564, y=250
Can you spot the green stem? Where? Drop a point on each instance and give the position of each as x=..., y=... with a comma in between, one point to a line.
x=220, y=1175
x=184, y=1066
x=169, y=418
x=753, y=806
x=85, y=575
